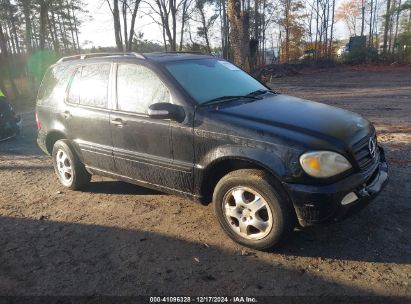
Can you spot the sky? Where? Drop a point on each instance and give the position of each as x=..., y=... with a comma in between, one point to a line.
x=99, y=30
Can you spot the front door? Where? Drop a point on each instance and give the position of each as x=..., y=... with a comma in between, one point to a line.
x=142, y=146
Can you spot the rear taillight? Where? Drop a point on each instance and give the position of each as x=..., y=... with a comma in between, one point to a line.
x=38, y=122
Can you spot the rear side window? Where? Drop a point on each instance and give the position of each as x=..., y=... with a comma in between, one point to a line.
x=138, y=87
x=94, y=82
x=89, y=86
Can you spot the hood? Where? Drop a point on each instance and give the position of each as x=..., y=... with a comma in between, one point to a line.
x=312, y=118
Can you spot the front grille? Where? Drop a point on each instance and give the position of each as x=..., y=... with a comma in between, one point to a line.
x=362, y=153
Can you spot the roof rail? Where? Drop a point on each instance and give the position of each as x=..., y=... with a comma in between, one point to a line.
x=181, y=52
x=96, y=55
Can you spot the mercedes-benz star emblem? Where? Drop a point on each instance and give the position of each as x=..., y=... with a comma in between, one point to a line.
x=372, y=146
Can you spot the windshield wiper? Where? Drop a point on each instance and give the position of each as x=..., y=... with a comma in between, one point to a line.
x=228, y=98
x=261, y=92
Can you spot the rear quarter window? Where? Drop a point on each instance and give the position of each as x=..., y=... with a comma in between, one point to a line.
x=54, y=84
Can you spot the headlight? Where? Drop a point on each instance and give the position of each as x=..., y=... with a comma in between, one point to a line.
x=324, y=163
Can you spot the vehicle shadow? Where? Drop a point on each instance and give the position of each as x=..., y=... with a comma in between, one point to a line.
x=41, y=257
x=118, y=187
x=379, y=233
x=20, y=146
x=26, y=167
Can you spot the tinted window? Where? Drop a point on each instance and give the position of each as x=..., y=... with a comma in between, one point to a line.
x=138, y=87
x=54, y=84
x=206, y=79
x=89, y=85
x=94, y=85
x=46, y=84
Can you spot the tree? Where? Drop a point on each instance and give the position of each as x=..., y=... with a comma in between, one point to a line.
x=4, y=61
x=330, y=50
x=398, y=12
x=362, y=17
x=205, y=21
x=26, y=5
x=186, y=4
x=116, y=23
x=166, y=11
x=44, y=4
x=293, y=29
x=124, y=35
x=239, y=18
x=224, y=29
x=387, y=23
x=348, y=12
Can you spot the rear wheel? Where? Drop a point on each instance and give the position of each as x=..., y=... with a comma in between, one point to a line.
x=252, y=208
x=69, y=169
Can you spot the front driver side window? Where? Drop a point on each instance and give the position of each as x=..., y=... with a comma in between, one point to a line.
x=138, y=87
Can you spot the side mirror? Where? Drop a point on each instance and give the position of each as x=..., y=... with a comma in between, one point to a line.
x=164, y=110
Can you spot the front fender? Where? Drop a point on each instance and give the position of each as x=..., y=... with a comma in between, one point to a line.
x=271, y=159
x=278, y=161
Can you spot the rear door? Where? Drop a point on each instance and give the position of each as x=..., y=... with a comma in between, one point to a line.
x=142, y=147
x=88, y=115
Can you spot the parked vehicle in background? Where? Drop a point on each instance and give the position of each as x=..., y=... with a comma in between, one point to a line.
x=10, y=122
x=200, y=127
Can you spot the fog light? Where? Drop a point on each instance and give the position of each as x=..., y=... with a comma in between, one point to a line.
x=349, y=198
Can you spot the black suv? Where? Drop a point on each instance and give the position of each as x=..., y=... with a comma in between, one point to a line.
x=200, y=127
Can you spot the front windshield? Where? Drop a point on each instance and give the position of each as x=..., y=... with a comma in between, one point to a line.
x=207, y=79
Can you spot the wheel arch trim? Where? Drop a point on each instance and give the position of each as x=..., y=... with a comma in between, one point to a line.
x=207, y=176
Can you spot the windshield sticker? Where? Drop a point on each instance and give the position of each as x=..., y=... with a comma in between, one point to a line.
x=229, y=66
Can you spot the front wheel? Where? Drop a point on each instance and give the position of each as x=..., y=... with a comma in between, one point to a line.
x=252, y=209
x=69, y=169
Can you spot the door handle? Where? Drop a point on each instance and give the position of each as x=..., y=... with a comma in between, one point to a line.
x=66, y=114
x=118, y=122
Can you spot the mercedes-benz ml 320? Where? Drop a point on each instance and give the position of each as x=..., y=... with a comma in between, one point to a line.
x=200, y=127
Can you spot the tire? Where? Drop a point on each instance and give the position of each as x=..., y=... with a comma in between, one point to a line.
x=69, y=169
x=253, y=209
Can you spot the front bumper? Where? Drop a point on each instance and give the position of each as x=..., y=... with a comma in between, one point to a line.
x=316, y=204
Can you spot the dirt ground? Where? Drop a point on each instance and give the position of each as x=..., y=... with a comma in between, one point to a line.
x=119, y=239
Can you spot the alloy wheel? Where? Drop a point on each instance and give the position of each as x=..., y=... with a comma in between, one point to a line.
x=64, y=168
x=247, y=213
